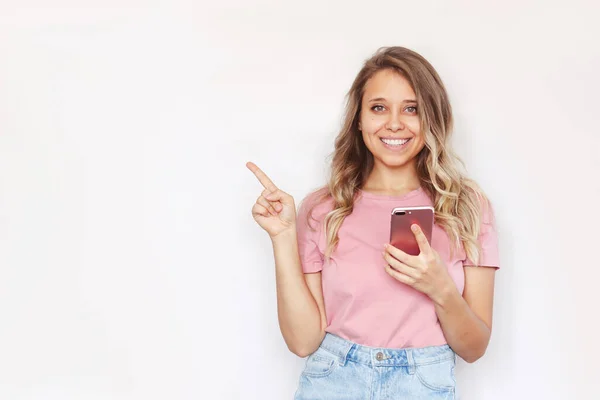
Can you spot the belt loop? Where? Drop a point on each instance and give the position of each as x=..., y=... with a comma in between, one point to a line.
x=411, y=361
x=344, y=357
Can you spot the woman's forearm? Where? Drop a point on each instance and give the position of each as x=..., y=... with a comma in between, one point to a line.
x=465, y=333
x=297, y=310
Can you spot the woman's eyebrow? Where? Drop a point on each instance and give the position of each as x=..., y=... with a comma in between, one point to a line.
x=383, y=99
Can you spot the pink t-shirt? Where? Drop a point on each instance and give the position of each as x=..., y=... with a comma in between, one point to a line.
x=363, y=303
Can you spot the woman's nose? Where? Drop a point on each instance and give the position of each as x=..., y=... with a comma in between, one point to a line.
x=395, y=122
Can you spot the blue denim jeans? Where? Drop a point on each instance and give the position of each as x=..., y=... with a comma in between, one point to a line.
x=340, y=369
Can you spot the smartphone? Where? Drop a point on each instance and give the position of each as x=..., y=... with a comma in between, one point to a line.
x=401, y=236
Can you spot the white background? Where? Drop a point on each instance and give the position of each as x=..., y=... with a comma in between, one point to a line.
x=130, y=266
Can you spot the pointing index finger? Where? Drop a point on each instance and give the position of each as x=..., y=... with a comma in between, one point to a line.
x=262, y=177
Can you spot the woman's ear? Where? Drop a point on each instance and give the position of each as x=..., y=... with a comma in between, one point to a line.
x=359, y=127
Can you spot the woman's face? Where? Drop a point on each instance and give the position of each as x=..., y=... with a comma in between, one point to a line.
x=389, y=120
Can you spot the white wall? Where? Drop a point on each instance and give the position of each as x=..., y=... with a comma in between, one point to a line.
x=130, y=266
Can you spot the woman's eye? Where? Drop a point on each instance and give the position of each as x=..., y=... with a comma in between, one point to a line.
x=411, y=109
x=375, y=108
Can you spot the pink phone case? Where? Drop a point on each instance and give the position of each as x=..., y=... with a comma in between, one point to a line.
x=401, y=236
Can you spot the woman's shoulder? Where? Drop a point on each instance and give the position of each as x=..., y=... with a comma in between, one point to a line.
x=318, y=202
x=482, y=202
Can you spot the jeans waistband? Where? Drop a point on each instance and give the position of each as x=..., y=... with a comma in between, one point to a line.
x=382, y=357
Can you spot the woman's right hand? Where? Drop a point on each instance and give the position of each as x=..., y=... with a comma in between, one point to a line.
x=274, y=210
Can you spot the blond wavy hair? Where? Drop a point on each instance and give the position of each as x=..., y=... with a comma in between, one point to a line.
x=458, y=201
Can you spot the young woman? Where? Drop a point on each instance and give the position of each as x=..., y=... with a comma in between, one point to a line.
x=375, y=322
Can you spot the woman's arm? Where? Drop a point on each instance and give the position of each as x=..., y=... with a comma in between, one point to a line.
x=299, y=299
x=300, y=307
x=467, y=320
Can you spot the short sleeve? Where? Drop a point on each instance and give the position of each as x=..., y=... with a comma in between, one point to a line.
x=308, y=233
x=488, y=240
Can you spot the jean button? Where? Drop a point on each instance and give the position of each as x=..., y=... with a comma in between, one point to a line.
x=379, y=356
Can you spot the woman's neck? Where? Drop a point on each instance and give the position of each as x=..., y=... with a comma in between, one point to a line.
x=392, y=182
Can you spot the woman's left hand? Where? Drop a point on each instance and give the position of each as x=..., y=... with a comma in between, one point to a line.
x=426, y=272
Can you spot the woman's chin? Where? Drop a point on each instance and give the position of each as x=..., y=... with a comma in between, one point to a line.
x=394, y=162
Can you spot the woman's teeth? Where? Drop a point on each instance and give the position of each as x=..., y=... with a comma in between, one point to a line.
x=394, y=142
